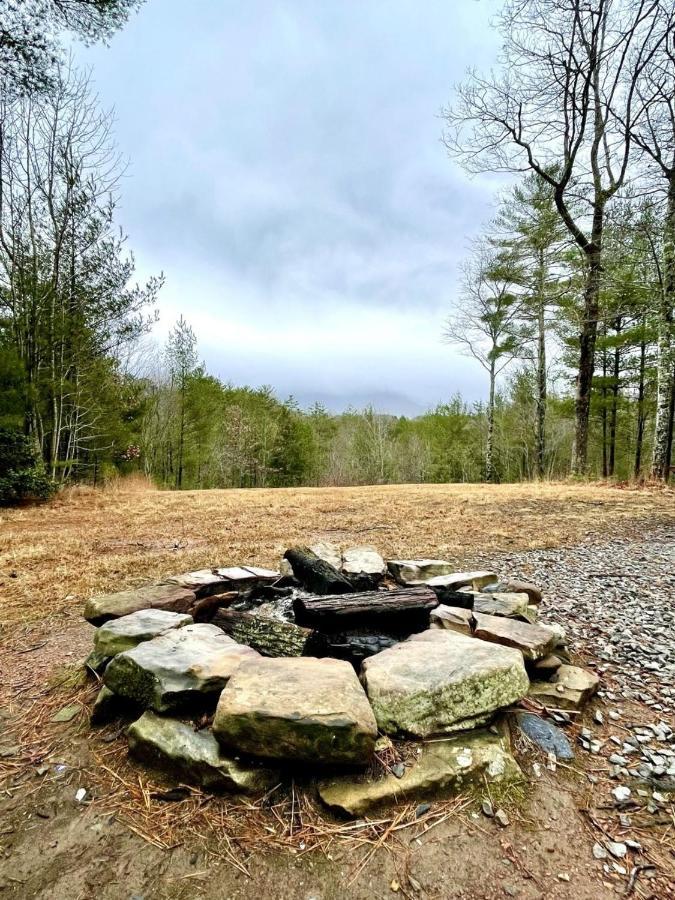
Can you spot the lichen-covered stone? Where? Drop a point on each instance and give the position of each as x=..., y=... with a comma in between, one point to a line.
x=442, y=768
x=127, y=632
x=195, y=756
x=96, y=663
x=297, y=709
x=440, y=681
x=178, y=668
x=104, y=607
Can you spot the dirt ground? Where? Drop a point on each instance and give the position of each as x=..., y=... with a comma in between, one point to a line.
x=129, y=838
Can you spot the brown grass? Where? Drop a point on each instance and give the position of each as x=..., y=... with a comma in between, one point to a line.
x=53, y=557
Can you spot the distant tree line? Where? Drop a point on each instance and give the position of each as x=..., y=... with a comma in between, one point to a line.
x=567, y=299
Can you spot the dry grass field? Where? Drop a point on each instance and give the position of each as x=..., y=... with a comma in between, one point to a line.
x=53, y=557
x=127, y=840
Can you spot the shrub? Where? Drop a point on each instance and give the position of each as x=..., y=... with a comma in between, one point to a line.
x=21, y=473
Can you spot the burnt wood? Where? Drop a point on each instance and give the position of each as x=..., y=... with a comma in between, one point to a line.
x=407, y=608
x=448, y=597
x=315, y=574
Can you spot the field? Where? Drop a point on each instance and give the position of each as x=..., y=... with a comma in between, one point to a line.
x=53, y=557
x=606, y=545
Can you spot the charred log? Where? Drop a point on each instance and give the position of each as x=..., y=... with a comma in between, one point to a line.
x=315, y=574
x=401, y=610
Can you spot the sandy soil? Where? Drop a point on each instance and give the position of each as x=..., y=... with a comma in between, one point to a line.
x=124, y=842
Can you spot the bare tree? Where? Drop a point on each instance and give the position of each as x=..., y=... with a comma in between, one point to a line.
x=564, y=106
x=485, y=324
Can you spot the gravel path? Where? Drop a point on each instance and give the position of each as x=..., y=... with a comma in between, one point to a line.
x=616, y=601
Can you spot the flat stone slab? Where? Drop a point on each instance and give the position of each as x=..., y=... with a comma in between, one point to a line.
x=417, y=571
x=569, y=688
x=127, y=632
x=509, y=606
x=440, y=681
x=516, y=587
x=297, y=709
x=442, y=768
x=194, y=756
x=212, y=582
x=545, y=735
x=177, y=668
x=455, y=580
x=452, y=618
x=105, y=607
x=533, y=641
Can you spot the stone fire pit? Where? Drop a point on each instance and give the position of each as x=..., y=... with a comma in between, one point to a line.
x=239, y=678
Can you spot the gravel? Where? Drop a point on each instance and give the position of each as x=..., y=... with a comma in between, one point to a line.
x=615, y=599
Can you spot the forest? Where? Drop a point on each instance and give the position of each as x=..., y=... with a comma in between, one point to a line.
x=567, y=300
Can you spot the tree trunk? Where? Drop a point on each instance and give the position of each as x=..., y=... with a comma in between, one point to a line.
x=603, y=410
x=639, y=437
x=666, y=344
x=671, y=420
x=489, y=448
x=587, y=340
x=615, y=399
x=541, y=380
x=315, y=574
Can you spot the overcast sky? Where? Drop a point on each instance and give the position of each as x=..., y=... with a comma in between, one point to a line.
x=287, y=175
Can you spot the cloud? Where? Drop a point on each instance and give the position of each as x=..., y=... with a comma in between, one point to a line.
x=287, y=175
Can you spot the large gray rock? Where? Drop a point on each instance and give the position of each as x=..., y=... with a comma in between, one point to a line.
x=533, y=641
x=194, y=756
x=417, y=571
x=101, y=609
x=442, y=768
x=127, y=632
x=364, y=567
x=178, y=668
x=569, y=688
x=298, y=709
x=329, y=553
x=440, y=681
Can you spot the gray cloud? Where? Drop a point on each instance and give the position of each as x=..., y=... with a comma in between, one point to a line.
x=287, y=175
